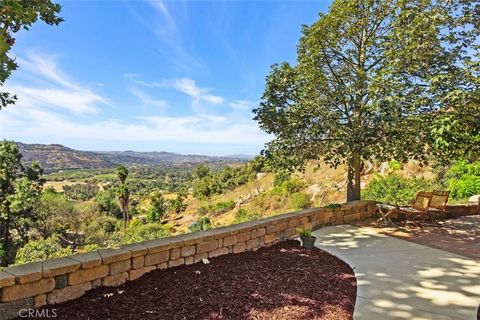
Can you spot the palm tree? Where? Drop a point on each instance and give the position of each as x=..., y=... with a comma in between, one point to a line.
x=123, y=193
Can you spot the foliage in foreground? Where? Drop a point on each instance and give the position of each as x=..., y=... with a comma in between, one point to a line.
x=395, y=189
x=243, y=215
x=464, y=179
x=43, y=249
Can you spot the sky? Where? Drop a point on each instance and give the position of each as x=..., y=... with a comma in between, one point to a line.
x=178, y=76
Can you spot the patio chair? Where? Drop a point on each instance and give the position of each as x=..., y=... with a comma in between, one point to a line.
x=438, y=203
x=417, y=211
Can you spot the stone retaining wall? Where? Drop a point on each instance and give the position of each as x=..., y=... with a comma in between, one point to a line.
x=54, y=281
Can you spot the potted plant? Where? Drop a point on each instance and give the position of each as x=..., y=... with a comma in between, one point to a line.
x=308, y=241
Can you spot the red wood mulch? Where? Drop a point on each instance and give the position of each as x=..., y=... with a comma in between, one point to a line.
x=284, y=281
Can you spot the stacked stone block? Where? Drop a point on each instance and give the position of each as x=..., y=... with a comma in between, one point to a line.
x=55, y=281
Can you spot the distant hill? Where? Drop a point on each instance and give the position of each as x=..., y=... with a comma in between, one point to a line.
x=55, y=157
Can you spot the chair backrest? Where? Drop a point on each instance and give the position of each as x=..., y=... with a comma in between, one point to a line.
x=439, y=199
x=422, y=201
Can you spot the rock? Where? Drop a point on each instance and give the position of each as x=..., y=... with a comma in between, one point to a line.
x=383, y=169
x=84, y=275
x=30, y=289
x=119, y=267
x=314, y=189
x=474, y=199
x=11, y=310
x=260, y=175
x=68, y=293
x=368, y=168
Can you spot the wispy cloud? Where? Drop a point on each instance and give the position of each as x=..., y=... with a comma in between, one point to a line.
x=242, y=105
x=184, y=85
x=168, y=28
x=50, y=102
x=188, y=129
x=43, y=85
x=190, y=88
x=147, y=100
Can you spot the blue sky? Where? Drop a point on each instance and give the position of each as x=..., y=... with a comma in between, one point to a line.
x=179, y=76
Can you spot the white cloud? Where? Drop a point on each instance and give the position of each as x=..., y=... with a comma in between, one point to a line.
x=43, y=85
x=45, y=125
x=50, y=103
x=190, y=88
x=242, y=105
x=147, y=100
x=184, y=85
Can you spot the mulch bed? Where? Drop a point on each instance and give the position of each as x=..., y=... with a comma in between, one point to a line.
x=284, y=281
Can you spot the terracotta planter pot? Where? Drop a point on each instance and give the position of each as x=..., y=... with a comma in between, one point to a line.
x=308, y=243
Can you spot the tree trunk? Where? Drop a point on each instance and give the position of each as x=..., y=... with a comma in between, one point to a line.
x=6, y=242
x=353, y=176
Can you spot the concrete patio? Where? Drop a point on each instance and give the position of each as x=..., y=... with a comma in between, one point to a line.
x=399, y=279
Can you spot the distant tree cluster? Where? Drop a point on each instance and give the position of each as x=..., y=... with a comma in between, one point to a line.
x=208, y=183
x=81, y=191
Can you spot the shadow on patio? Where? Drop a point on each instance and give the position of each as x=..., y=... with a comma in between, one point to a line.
x=403, y=280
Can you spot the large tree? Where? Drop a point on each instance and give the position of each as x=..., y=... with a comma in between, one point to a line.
x=20, y=187
x=377, y=79
x=14, y=16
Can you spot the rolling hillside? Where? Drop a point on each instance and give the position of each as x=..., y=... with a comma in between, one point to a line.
x=53, y=157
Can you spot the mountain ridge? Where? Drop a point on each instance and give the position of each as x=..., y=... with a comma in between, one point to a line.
x=54, y=157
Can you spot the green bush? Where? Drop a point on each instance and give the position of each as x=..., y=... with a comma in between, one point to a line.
x=395, y=189
x=101, y=229
x=202, y=224
x=300, y=200
x=225, y=205
x=38, y=250
x=464, y=179
x=289, y=187
x=158, y=207
x=138, y=232
x=280, y=178
x=243, y=215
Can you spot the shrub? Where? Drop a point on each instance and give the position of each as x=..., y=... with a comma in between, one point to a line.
x=177, y=205
x=101, y=229
x=243, y=215
x=464, y=179
x=280, y=178
x=395, y=189
x=157, y=209
x=300, y=200
x=203, y=210
x=107, y=202
x=225, y=205
x=138, y=232
x=81, y=191
x=38, y=250
x=288, y=187
x=202, y=224
x=464, y=187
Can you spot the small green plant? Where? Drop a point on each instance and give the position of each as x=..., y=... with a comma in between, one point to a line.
x=202, y=224
x=243, y=215
x=305, y=232
x=333, y=206
x=300, y=200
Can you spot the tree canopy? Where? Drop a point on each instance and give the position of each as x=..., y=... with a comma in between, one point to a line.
x=14, y=16
x=377, y=80
x=20, y=187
